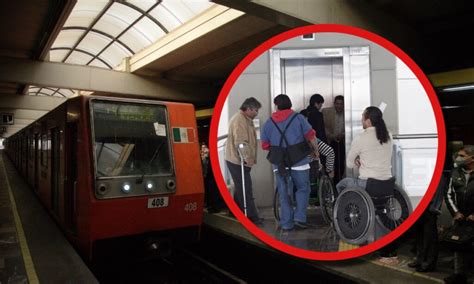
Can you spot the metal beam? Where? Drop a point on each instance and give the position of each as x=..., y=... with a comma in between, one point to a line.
x=61, y=75
x=30, y=102
x=266, y=13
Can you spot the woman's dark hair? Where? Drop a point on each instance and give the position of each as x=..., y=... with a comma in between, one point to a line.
x=375, y=116
x=282, y=102
x=316, y=99
x=250, y=103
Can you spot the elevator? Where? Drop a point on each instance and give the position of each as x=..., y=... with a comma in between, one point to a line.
x=330, y=72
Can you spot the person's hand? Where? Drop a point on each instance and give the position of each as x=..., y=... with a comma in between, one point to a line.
x=331, y=174
x=458, y=216
x=249, y=162
x=470, y=218
x=315, y=155
x=357, y=162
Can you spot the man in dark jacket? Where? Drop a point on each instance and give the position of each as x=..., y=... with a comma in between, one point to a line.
x=460, y=202
x=315, y=117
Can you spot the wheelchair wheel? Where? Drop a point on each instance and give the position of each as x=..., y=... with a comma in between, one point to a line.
x=354, y=216
x=327, y=196
x=276, y=205
x=398, y=209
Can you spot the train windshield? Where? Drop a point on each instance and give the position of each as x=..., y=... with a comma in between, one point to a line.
x=130, y=139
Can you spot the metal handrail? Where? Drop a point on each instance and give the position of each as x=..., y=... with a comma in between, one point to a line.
x=415, y=136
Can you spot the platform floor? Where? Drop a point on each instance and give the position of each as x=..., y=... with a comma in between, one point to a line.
x=317, y=237
x=368, y=268
x=32, y=247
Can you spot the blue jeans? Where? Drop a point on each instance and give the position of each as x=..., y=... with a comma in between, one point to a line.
x=300, y=179
x=351, y=183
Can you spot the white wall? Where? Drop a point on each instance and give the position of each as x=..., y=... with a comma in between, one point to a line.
x=415, y=113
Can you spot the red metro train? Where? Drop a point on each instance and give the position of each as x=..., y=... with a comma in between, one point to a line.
x=108, y=167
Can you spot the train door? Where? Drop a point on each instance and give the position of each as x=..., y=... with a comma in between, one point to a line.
x=345, y=71
x=55, y=168
x=36, y=161
x=71, y=173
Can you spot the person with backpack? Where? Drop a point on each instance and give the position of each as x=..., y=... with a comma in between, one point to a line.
x=289, y=138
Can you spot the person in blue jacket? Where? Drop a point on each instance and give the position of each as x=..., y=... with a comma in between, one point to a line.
x=296, y=131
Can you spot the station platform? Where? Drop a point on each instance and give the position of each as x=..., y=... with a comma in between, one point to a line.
x=368, y=269
x=32, y=247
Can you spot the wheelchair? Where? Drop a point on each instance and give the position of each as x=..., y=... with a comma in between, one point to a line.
x=364, y=215
x=323, y=194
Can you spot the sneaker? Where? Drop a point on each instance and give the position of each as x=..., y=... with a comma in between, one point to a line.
x=301, y=225
x=389, y=260
x=287, y=229
x=414, y=264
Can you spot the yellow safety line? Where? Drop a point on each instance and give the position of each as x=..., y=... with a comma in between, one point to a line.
x=25, y=251
x=346, y=246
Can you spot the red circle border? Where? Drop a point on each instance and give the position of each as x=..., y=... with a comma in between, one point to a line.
x=327, y=28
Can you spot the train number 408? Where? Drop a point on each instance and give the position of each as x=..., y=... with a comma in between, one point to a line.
x=189, y=207
x=158, y=202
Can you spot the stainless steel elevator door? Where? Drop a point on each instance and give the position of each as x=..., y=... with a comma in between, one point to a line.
x=304, y=77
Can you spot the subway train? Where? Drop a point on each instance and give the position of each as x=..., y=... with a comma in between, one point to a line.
x=116, y=170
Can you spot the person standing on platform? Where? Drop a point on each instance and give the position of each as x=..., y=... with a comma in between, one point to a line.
x=335, y=134
x=459, y=199
x=242, y=134
x=426, y=229
x=286, y=135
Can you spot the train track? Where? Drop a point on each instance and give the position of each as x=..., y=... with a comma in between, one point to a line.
x=182, y=266
x=200, y=270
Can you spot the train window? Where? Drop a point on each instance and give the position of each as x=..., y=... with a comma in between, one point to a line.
x=130, y=139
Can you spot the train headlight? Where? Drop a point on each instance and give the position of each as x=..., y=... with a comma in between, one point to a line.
x=126, y=188
x=149, y=186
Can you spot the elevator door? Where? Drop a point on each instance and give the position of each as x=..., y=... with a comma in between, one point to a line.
x=304, y=77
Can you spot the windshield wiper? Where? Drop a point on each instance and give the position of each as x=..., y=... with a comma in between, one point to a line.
x=155, y=154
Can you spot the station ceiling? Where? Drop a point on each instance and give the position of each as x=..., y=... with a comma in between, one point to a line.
x=166, y=40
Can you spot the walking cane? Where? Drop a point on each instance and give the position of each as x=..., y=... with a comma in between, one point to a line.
x=241, y=146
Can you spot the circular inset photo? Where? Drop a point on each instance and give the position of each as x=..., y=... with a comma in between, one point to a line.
x=327, y=142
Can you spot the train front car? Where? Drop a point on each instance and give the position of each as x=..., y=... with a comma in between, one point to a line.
x=148, y=186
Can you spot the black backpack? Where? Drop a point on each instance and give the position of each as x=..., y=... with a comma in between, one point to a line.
x=287, y=156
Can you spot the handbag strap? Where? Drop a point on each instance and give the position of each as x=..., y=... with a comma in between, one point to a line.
x=282, y=133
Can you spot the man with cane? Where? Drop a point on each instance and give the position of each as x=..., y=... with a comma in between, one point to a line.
x=241, y=155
